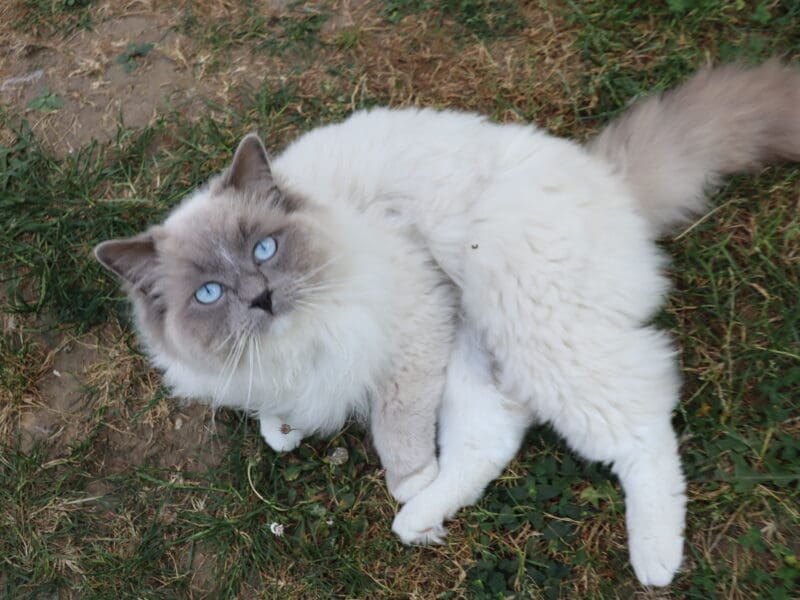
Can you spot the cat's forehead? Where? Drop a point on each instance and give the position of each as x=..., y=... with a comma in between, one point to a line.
x=213, y=224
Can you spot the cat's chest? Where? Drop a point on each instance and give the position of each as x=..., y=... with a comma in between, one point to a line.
x=313, y=381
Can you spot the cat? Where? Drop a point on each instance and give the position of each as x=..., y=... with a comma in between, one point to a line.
x=421, y=268
x=252, y=297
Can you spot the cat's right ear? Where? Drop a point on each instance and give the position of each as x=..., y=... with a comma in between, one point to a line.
x=133, y=259
x=250, y=170
x=250, y=166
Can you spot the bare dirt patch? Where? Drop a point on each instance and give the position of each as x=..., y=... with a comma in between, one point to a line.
x=94, y=389
x=129, y=69
x=58, y=414
x=357, y=54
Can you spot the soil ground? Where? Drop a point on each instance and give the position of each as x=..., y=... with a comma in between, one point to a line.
x=110, y=112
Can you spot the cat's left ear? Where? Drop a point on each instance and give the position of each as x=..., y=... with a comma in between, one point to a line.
x=250, y=166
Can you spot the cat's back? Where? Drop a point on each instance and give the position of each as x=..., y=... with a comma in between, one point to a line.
x=385, y=152
x=463, y=181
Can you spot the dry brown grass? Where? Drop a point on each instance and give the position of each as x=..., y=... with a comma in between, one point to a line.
x=133, y=484
x=361, y=57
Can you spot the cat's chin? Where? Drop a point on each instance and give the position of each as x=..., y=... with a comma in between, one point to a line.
x=280, y=329
x=280, y=325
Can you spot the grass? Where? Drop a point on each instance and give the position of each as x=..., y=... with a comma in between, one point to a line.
x=125, y=491
x=46, y=17
x=485, y=19
x=298, y=27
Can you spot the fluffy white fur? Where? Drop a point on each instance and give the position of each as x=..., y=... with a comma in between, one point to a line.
x=550, y=246
x=317, y=367
x=558, y=275
x=554, y=257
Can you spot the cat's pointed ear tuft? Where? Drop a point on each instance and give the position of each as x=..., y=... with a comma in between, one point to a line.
x=132, y=258
x=250, y=166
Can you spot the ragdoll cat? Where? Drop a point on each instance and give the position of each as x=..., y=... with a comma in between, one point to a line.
x=414, y=265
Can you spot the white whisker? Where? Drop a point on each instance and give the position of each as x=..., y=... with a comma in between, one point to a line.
x=229, y=368
x=223, y=370
x=326, y=287
x=331, y=261
x=250, y=371
x=221, y=345
x=259, y=361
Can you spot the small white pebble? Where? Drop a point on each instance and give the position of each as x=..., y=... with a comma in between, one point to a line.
x=56, y=373
x=276, y=529
x=329, y=522
x=178, y=423
x=337, y=456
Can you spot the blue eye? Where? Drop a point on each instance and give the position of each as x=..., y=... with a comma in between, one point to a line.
x=265, y=249
x=208, y=293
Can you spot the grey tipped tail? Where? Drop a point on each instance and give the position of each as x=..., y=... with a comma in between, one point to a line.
x=674, y=148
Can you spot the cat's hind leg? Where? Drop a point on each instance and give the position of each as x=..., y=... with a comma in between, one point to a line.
x=480, y=431
x=614, y=404
x=655, y=504
x=561, y=295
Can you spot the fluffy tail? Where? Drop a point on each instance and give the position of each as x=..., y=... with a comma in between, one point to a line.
x=673, y=148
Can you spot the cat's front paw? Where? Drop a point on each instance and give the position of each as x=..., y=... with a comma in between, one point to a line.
x=656, y=556
x=405, y=488
x=416, y=524
x=279, y=435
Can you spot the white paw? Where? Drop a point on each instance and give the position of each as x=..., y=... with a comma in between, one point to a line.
x=279, y=435
x=656, y=557
x=406, y=488
x=416, y=524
